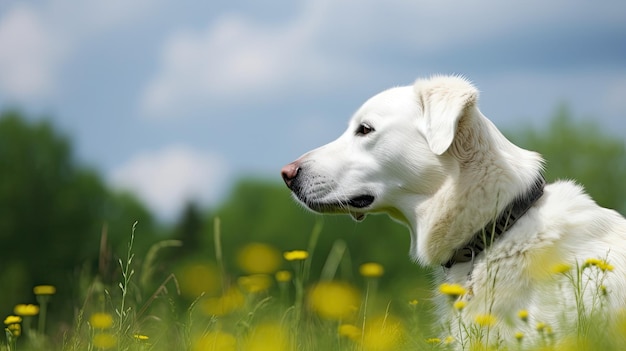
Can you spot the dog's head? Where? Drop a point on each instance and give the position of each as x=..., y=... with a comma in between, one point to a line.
x=393, y=153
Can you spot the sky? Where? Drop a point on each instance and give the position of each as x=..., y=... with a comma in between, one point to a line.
x=177, y=100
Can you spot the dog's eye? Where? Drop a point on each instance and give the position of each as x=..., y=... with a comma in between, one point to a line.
x=364, y=129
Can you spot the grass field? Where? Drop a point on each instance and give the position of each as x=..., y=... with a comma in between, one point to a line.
x=203, y=307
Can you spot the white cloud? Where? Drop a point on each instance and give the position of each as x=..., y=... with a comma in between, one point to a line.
x=30, y=53
x=166, y=179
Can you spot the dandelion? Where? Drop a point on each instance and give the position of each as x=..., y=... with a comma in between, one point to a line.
x=334, y=300
x=601, y=264
x=255, y=283
x=561, y=268
x=540, y=327
x=382, y=333
x=196, y=279
x=267, y=336
x=485, y=320
x=519, y=336
x=371, y=270
x=459, y=305
x=523, y=315
x=42, y=294
x=104, y=341
x=12, y=320
x=296, y=255
x=44, y=290
x=101, y=320
x=258, y=258
x=433, y=341
x=283, y=276
x=231, y=301
x=15, y=330
x=452, y=290
x=25, y=310
x=349, y=331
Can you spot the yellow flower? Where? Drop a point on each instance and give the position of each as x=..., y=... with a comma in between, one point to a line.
x=26, y=310
x=601, y=264
x=523, y=315
x=452, y=290
x=413, y=303
x=268, y=336
x=256, y=258
x=44, y=290
x=199, y=278
x=433, y=341
x=12, y=320
x=296, y=255
x=141, y=337
x=371, y=270
x=334, y=300
x=448, y=340
x=382, y=333
x=283, y=276
x=519, y=336
x=231, y=301
x=215, y=341
x=101, y=320
x=15, y=329
x=459, y=305
x=104, y=341
x=349, y=331
x=255, y=283
x=485, y=320
x=540, y=326
x=561, y=268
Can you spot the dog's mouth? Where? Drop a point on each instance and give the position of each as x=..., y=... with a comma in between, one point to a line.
x=350, y=206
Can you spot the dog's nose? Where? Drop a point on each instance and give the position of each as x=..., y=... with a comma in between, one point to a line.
x=290, y=172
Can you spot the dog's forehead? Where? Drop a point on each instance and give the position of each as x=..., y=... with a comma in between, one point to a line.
x=394, y=101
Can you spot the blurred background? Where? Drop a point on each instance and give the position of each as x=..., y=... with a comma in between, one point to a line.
x=171, y=113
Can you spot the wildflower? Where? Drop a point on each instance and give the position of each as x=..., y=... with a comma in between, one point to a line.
x=215, y=341
x=413, y=303
x=12, y=320
x=104, y=341
x=267, y=336
x=255, y=283
x=519, y=336
x=199, y=278
x=485, y=320
x=452, y=290
x=540, y=327
x=349, y=331
x=101, y=320
x=44, y=290
x=433, y=341
x=15, y=329
x=283, y=276
x=459, y=305
x=231, y=301
x=25, y=310
x=296, y=255
x=334, y=300
x=601, y=264
x=141, y=337
x=448, y=340
x=561, y=268
x=382, y=333
x=371, y=270
x=257, y=258
x=523, y=315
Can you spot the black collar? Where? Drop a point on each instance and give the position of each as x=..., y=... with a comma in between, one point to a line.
x=493, y=230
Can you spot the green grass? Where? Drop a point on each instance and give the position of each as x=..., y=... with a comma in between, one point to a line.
x=202, y=306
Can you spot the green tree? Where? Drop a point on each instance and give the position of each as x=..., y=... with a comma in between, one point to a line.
x=583, y=152
x=52, y=212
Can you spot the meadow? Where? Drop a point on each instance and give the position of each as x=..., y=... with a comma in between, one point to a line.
x=205, y=307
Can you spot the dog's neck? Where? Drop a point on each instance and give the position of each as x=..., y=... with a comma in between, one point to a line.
x=491, y=173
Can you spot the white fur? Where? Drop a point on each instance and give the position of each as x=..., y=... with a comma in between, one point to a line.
x=435, y=163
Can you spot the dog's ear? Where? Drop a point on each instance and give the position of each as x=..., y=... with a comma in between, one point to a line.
x=444, y=100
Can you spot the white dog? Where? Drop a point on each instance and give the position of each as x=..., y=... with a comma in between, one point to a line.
x=475, y=204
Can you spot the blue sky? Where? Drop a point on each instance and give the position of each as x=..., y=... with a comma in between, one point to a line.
x=177, y=99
